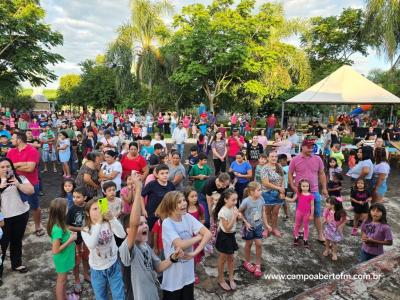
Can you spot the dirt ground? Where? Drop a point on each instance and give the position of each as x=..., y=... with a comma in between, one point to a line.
x=279, y=257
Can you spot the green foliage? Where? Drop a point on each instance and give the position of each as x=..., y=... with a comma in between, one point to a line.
x=19, y=102
x=24, y=46
x=66, y=93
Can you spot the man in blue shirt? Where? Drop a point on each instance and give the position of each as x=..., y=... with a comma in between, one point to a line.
x=4, y=131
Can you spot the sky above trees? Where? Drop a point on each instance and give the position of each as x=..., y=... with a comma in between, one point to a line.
x=89, y=26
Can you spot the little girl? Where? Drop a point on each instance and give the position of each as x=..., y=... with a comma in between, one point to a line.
x=180, y=230
x=196, y=210
x=98, y=235
x=334, y=221
x=335, y=185
x=333, y=168
x=63, y=245
x=252, y=208
x=360, y=196
x=227, y=214
x=127, y=195
x=67, y=190
x=375, y=233
x=304, y=211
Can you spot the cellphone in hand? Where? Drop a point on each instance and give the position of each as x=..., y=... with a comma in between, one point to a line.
x=103, y=205
x=10, y=174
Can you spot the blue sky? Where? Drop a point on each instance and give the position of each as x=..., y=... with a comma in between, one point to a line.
x=89, y=25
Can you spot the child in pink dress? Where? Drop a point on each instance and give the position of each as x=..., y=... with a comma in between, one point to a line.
x=34, y=126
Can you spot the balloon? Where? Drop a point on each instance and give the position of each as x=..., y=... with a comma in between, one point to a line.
x=356, y=111
x=366, y=107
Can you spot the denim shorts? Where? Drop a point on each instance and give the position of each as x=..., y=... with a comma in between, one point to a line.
x=252, y=234
x=382, y=189
x=272, y=198
x=317, y=204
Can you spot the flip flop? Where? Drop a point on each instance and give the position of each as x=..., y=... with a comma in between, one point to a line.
x=39, y=232
x=321, y=241
x=224, y=286
x=20, y=269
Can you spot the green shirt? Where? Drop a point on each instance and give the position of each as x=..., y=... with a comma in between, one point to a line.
x=65, y=260
x=22, y=125
x=339, y=158
x=198, y=184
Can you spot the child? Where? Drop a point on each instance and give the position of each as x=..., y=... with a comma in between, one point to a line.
x=337, y=154
x=333, y=168
x=283, y=161
x=352, y=159
x=252, y=208
x=75, y=218
x=47, y=139
x=146, y=150
x=127, y=195
x=67, y=190
x=304, y=211
x=202, y=144
x=1, y=257
x=335, y=185
x=154, y=160
x=375, y=233
x=5, y=145
x=193, y=158
x=157, y=238
x=360, y=196
x=334, y=221
x=196, y=210
x=114, y=203
x=180, y=231
x=136, y=253
x=63, y=246
x=227, y=214
x=98, y=236
x=200, y=172
x=262, y=161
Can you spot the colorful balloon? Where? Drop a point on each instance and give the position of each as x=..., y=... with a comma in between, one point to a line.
x=366, y=107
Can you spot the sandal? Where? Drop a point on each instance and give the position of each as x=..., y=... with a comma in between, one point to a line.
x=326, y=253
x=249, y=267
x=77, y=288
x=39, y=232
x=20, y=269
x=257, y=271
x=224, y=286
x=232, y=284
x=265, y=233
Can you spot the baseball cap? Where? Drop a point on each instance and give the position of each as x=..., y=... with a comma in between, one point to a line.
x=235, y=129
x=309, y=141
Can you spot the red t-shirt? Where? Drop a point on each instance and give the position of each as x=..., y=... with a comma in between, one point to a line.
x=233, y=146
x=27, y=154
x=128, y=164
x=157, y=229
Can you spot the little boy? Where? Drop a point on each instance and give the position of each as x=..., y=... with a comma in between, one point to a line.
x=262, y=161
x=137, y=254
x=200, y=172
x=114, y=203
x=147, y=149
x=193, y=157
x=155, y=157
x=5, y=145
x=337, y=154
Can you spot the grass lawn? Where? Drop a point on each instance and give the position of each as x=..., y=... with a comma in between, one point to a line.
x=49, y=93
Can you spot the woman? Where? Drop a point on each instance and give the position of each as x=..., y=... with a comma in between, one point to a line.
x=254, y=150
x=262, y=139
x=243, y=173
x=381, y=173
x=111, y=169
x=64, y=153
x=176, y=171
x=160, y=122
x=34, y=126
x=174, y=121
x=219, y=151
x=283, y=145
x=15, y=208
x=273, y=192
x=134, y=161
x=364, y=168
x=379, y=143
x=88, y=175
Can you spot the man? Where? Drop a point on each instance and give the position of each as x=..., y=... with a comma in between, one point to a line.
x=180, y=136
x=309, y=166
x=271, y=123
x=294, y=139
x=4, y=131
x=235, y=144
x=26, y=162
x=388, y=134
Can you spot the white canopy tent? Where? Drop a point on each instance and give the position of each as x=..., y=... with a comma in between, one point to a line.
x=344, y=87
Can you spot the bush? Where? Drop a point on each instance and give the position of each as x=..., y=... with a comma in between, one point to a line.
x=18, y=102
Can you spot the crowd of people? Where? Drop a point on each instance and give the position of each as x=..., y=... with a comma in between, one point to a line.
x=135, y=211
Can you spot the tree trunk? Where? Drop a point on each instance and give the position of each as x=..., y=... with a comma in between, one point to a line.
x=210, y=95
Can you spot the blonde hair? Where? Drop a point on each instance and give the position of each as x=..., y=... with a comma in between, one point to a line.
x=251, y=187
x=168, y=204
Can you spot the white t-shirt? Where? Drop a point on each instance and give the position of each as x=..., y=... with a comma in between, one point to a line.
x=113, y=141
x=115, y=207
x=153, y=142
x=227, y=214
x=11, y=203
x=181, y=273
x=117, y=167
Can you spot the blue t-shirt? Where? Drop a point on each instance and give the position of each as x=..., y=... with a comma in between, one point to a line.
x=6, y=133
x=146, y=152
x=242, y=169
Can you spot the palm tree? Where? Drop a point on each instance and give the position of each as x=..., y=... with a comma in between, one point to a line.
x=384, y=20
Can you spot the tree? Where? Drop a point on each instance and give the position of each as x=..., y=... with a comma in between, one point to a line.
x=383, y=21
x=18, y=102
x=66, y=90
x=330, y=42
x=25, y=43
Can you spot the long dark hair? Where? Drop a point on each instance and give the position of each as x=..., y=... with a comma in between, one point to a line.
x=186, y=193
x=221, y=201
x=63, y=192
x=380, y=155
x=338, y=208
x=380, y=207
x=13, y=169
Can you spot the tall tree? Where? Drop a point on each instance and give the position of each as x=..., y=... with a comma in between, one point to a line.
x=66, y=90
x=384, y=22
x=25, y=45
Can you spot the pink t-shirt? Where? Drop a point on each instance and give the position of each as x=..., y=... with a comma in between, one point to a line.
x=233, y=120
x=307, y=167
x=233, y=146
x=27, y=154
x=304, y=203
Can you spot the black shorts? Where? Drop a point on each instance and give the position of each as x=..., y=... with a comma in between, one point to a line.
x=226, y=242
x=360, y=209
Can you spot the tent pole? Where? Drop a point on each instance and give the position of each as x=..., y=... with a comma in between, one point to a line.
x=282, y=114
x=391, y=113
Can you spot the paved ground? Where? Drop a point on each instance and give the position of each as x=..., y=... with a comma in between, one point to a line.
x=279, y=257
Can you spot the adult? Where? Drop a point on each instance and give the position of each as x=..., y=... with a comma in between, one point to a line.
x=88, y=174
x=294, y=139
x=273, y=191
x=159, y=139
x=133, y=161
x=160, y=122
x=381, y=173
x=254, y=150
x=174, y=121
x=180, y=136
x=177, y=172
x=309, y=166
x=243, y=173
x=388, y=134
x=271, y=123
x=219, y=153
x=364, y=168
x=283, y=145
x=211, y=192
x=109, y=141
x=111, y=169
x=262, y=139
x=64, y=153
x=369, y=140
x=16, y=212
x=25, y=159
x=4, y=132
x=233, y=120
x=235, y=144
x=379, y=143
